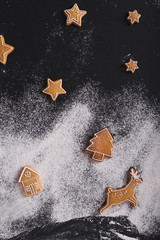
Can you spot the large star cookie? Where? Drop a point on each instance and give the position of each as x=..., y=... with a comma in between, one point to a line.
x=5, y=49
x=54, y=88
x=74, y=15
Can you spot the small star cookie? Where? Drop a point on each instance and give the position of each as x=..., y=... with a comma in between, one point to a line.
x=134, y=17
x=131, y=66
x=5, y=49
x=74, y=15
x=54, y=88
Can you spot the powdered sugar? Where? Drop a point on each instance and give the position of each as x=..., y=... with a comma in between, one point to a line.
x=121, y=236
x=156, y=3
x=53, y=142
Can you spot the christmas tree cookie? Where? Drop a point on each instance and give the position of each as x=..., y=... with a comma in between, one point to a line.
x=101, y=145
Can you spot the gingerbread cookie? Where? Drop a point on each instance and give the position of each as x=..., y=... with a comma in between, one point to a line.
x=134, y=17
x=127, y=193
x=5, y=49
x=131, y=66
x=101, y=145
x=54, y=88
x=74, y=15
x=30, y=180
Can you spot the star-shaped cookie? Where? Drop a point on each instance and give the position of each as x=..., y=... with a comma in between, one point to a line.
x=134, y=17
x=5, y=49
x=74, y=15
x=131, y=66
x=54, y=88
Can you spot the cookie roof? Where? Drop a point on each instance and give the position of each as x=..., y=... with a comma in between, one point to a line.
x=28, y=173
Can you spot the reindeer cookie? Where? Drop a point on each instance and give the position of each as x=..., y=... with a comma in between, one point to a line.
x=118, y=196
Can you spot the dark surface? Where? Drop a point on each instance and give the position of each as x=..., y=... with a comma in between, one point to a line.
x=97, y=228
x=27, y=25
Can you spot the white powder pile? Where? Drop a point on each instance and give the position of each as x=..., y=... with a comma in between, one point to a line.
x=74, y=186
x=134, y=124
x=121, y=236
x=53, y=157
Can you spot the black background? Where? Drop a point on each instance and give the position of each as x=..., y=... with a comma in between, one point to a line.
x=24, y=26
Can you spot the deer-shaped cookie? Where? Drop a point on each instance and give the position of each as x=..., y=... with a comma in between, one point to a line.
x=118, y=196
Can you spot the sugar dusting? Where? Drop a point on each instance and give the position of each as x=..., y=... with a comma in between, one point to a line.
x=73, y=185
x=121, y=236
x=155, y=3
